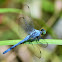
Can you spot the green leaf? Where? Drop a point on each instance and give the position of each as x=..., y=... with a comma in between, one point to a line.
x=6, y=10
x=41, y=41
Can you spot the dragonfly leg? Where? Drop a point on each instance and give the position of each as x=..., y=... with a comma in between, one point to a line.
x=31, y=40
x=38, y=38
x=34, y=39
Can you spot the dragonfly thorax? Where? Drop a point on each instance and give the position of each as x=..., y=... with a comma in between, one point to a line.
x=35, y=33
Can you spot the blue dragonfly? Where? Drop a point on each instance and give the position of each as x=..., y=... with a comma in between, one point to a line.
x=33, y=34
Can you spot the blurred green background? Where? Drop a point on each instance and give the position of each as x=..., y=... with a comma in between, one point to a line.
x=46, y=14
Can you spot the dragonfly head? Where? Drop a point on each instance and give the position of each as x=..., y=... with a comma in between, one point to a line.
x=43, y=32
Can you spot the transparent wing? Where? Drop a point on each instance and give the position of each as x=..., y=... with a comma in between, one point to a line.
x=25, y=25
x=27, y=10
x=26, y=22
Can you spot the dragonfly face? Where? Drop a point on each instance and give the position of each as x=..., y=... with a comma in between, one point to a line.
x=43, y=32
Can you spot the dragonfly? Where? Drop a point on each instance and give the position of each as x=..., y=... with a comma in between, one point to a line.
x=33, y=34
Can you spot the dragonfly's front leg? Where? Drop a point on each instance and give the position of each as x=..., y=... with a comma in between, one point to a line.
x=38, y=38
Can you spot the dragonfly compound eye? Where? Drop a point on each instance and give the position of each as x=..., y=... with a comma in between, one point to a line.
x=43, y=31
